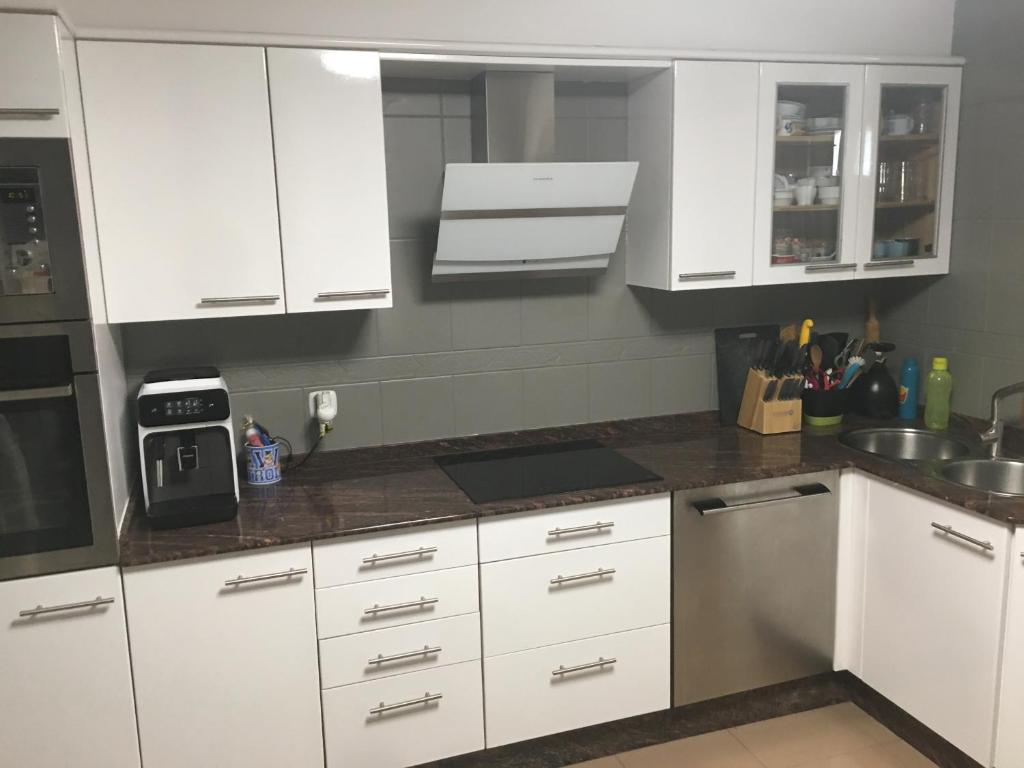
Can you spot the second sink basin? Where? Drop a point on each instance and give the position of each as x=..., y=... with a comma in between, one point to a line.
x=906, y=444
x=1001, y=476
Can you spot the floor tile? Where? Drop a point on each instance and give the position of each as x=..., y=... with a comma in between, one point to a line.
x=796, y=740
x=895, y=754
x=604, y=762
x=711, y=750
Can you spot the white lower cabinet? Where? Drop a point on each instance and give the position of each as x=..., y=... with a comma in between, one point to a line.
x=406, y=719
x=1010, y=735
x=65, y=681
x=933, y=613
x=225, y=661
x=571, y=685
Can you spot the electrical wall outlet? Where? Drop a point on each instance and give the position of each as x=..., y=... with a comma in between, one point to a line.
x=323, y=393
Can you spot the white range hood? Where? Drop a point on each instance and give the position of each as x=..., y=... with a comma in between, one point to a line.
x=505, y=218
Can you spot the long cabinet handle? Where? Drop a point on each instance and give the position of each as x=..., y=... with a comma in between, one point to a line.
x=368, y=294
x=889, y=264
x=711, y=506
x=418, y=552
x=426, y=698
x=560, y=579
x=723, y=275
x=426, y=650
x=39, y=393
x=949, y=529
x=29, y=111
x=269, y=298
x=829, y=267
x=39, y=610
x=601, y=663
x=592, y=528
x=422, y=602
x=265, y=577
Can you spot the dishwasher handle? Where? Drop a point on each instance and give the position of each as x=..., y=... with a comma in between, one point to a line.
x=717, y=504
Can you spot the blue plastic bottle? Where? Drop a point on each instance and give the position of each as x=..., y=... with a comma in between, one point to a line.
x=909, y=382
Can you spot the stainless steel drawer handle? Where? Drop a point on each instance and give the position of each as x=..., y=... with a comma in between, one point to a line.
x=592, y=528
x=269, y=298
x=426, y=698
x=724, y=275
x=29, y=111
x=418, y=552
x=39, y=393
x=421, y=603
x=265, y=577
x=560, y=579
x=426, y=650
x=714, y=505
x=889, y=264
x=986, y=545
x=369, y=294
x=39, y=610
x=601, y=663
x=829, y=267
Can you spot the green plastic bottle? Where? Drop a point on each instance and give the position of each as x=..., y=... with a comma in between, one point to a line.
x=937, y=391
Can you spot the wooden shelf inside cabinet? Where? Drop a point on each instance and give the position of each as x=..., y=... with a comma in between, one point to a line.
x=906, y=204
x=809, y=138
x=806, y=208
x=910, y=138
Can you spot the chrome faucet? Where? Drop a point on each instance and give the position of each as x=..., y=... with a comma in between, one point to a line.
x=993, y=436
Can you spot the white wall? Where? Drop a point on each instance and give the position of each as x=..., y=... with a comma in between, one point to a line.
x=913, y=27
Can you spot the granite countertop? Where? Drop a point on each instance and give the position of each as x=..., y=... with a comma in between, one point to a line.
x=342, y=493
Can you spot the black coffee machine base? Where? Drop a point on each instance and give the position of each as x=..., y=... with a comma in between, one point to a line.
x=184, y=513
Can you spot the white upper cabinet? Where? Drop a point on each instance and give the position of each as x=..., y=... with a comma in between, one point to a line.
x=934, y=588
x=183, y=175
x=693, y=129
x=809, y=128
x=329, y=151
x=911, y=117
x=65, y=682
x=31, y=93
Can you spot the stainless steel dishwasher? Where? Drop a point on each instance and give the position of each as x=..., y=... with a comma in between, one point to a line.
x=754, y=584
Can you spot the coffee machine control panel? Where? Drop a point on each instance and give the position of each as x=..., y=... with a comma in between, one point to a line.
x=184, y=408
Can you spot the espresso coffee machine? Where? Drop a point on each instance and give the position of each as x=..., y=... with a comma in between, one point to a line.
x=187, y=448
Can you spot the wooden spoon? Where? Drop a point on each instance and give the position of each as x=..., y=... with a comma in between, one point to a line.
x=816, y=356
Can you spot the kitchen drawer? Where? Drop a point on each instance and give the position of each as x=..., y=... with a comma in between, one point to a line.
x=380, y=555
x=353, y=658
x=522, y=609
x=392, y=602
x=584, y=525
x=534, y=693
x=452, y=724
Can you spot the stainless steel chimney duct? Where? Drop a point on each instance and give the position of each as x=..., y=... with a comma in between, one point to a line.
x=513, y=117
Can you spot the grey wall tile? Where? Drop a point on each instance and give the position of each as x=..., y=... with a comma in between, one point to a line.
x=607, y=99
x=455, y=99
x=488, y=402
x=281, y=412
x=359, y=416
x=620, y=390
x=486, y=314
x=555, y=396
x=570, y=99
x=554, y=310
x=411, y=96
x=414, y=156
x=680, y=384
x=606, y=139
x=571, y=139
x=421, y=318
x=417, y=409
x=614, y=309
x=458, y=143
x=678, y=311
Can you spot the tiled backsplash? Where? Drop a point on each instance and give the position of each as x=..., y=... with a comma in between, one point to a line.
x=465, y=358
x=975, y=315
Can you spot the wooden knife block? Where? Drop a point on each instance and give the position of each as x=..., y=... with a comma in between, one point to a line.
x=772, y=417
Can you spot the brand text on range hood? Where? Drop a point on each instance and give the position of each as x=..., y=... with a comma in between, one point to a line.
x=516, y=213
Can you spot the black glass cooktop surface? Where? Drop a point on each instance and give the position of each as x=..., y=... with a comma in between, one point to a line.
x=537, y=470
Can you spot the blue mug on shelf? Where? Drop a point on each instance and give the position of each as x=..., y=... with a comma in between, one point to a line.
x=264, y=464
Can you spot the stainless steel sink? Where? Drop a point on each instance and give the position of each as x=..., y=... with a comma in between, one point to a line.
x=1001, y=476
x=906, y=444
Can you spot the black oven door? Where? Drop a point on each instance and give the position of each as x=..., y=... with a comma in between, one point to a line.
x=55, y=502
x=42, y=274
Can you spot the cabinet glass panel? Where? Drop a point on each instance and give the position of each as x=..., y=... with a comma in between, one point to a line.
x=908, y=170
x=809, y=136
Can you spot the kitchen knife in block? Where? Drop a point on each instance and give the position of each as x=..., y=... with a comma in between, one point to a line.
x=772, y=416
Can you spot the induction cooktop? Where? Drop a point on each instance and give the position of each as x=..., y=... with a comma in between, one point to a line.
x=537, y=470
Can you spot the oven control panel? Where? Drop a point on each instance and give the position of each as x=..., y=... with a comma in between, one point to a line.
x=183, y=408
x=21, y=210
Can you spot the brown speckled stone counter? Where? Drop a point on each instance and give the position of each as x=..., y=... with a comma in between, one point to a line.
x=343, y=493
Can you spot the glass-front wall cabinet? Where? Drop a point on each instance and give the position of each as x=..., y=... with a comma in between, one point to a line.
x=910, y=157
x=809, y=135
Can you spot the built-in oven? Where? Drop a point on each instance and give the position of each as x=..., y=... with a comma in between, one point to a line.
x=56, y=512
x=42, y=275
